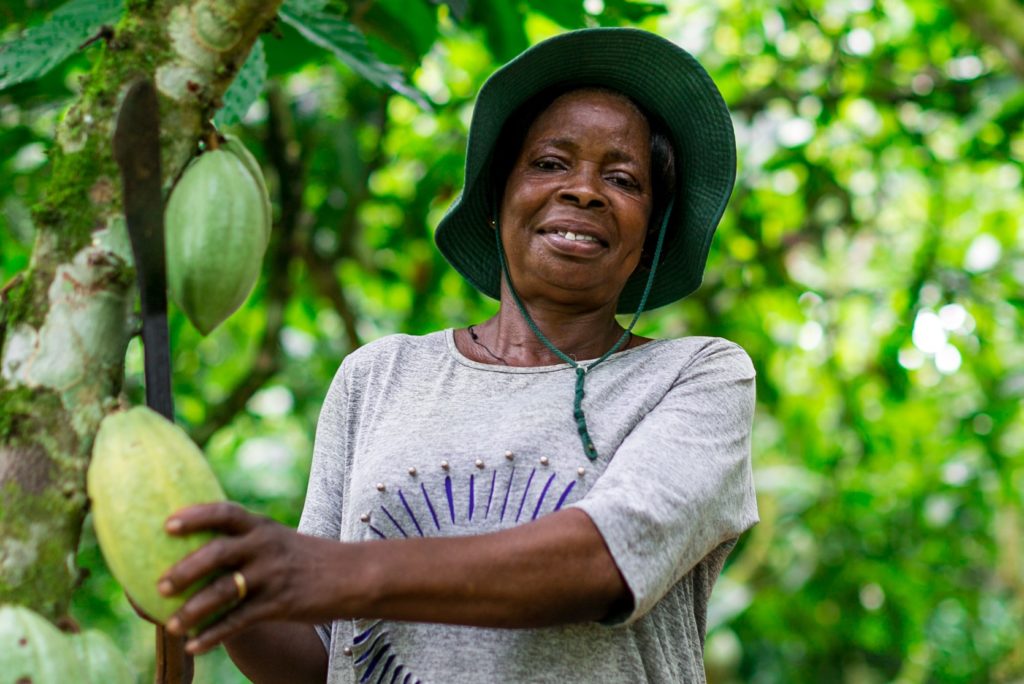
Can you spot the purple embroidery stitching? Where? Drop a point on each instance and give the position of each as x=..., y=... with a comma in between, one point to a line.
x=426, y=497
x=393, y=521
x=491, y=495
x=511, y=476
x=373, y=663
x=448, y=493
x=408, y=510
x=472, y=494
x=373, y=647
x=387, y=666
x=378, y=532
x=543, y=493
x=360, y=638
x=561, y=500
x=372, y=656
x=526, y=491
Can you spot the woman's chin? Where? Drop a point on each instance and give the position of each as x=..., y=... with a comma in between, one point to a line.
x=584, y=292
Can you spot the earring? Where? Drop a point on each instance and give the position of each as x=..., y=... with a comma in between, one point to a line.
x=493, y=222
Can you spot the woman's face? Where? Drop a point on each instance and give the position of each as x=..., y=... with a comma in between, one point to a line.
x=576, y=204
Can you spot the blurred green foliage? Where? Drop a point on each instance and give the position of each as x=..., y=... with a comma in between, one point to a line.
x=870, y=262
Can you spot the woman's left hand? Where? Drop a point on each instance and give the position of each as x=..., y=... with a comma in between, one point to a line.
x=264, y=571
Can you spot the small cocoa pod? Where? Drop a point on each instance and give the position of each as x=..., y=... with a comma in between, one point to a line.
x=217, y=224
x=33, y=650
x=143, y=469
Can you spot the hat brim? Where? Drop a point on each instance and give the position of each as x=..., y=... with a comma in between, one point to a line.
x=664, y=80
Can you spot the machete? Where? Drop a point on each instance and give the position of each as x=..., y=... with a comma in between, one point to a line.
x=137, y=152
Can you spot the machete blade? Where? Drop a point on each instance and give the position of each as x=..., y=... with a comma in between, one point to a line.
x=137, y=152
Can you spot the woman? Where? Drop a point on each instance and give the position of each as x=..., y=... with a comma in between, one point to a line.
x=545, y=470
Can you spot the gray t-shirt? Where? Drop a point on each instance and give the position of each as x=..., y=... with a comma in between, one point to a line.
x=415, y=439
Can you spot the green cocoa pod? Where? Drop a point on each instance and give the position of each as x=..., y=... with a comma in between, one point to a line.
x=143, y=469
x=235, y=147
x=101, y=662
x=216, y=223
x=33, y=650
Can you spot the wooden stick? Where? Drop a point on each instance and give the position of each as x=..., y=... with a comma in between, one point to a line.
x=173, y=664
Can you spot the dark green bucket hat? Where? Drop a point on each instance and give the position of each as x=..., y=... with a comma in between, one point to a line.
x=664, y=80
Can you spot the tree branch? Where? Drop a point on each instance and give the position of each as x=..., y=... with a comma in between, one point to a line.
x=326, y=282
x=350, y=226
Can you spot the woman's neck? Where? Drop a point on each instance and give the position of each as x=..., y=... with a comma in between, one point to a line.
x=507, y=337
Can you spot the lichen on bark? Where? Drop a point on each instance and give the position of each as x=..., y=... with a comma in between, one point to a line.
x=42, y=502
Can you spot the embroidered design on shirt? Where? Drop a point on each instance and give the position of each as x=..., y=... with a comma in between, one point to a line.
x=457, y=503
x=372, y=654
x=512, y=497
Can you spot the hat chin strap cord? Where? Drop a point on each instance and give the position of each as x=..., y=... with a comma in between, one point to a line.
x=581, y=369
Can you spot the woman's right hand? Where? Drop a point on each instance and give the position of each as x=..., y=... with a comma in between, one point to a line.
x=263, y=571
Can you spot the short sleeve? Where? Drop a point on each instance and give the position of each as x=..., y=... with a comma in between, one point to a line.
x=321, y=513
x=680, y=484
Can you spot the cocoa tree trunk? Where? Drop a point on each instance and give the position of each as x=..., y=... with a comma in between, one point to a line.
x=66, y=321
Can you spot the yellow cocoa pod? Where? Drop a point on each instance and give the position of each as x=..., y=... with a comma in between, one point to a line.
x=217, y=224
x=143, y=469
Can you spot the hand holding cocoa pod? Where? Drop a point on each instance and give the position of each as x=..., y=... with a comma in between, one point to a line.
x=262, y=570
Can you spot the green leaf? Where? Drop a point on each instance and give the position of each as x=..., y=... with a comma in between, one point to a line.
x=410, y=28
x=632, y=12
x=305, y=6
x=503, y=23
x=458, y=7
x=567, y=13
x=335, y=34
x=43, y=47
x=246, y=87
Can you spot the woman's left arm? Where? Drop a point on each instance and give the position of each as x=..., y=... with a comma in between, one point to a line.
x=554, y=570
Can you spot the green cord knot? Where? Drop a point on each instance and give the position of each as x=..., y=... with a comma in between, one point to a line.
x=581, y=418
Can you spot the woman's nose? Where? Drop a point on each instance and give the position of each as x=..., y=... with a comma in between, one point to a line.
x=582, y=188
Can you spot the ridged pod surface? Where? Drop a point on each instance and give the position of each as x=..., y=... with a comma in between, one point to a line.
x=101, y=661
x=33, y=650
x=217, y=225
x=235, y=147
x=143, y=469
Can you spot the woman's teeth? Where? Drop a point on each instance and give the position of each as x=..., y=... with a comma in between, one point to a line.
x=569, y=235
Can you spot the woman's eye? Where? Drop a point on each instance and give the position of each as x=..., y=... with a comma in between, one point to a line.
x=625, y=181
x=548, y=164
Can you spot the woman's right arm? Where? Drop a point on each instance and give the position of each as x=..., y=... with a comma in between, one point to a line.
x=279, y=653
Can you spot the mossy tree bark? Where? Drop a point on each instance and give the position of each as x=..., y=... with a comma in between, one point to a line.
x=66, y=321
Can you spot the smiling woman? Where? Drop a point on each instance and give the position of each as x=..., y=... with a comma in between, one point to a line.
x=545, y=470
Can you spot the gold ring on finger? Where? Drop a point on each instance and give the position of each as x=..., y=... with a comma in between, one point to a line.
x=240, y=584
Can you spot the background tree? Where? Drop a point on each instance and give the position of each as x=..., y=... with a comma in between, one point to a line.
x=870, y=262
